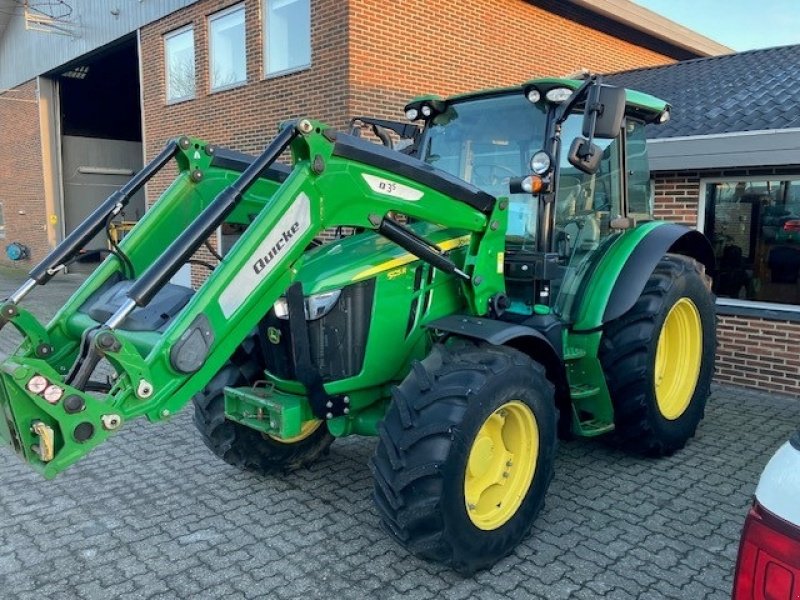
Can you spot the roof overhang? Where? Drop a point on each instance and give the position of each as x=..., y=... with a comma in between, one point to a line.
x=653, y=24
x=772, y=147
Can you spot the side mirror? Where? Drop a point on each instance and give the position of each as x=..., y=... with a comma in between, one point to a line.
x=584, y=156
x=608, y=104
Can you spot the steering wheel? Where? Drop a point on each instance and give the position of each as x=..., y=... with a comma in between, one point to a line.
x=491, y=174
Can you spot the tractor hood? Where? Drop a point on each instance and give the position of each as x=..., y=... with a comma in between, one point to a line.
x=366, y=255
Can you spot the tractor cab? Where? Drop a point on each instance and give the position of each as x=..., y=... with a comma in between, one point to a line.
x=520, y=143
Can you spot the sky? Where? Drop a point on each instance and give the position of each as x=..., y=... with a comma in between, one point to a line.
x=739, y=24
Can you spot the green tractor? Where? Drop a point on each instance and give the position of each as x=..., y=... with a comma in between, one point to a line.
x=504, y=285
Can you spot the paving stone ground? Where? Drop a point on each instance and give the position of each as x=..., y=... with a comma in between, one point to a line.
x=152, y=514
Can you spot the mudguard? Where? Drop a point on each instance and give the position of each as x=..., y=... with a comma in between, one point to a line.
x=526, y=339
x=488, y=330
x=620, y=276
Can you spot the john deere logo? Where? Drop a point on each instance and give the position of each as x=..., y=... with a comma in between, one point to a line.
x=274, y=335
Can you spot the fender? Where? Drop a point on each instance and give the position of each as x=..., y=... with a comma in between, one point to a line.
x=629, y=263
x=521, y=337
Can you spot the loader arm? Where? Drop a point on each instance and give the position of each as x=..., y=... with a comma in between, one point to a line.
x=336, y=180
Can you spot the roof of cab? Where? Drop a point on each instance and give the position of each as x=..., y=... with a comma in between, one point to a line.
x=644, y=105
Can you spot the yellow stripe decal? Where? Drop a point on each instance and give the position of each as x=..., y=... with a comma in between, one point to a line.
x=408, y=258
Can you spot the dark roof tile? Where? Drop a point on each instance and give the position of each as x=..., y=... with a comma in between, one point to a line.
x=747, y=91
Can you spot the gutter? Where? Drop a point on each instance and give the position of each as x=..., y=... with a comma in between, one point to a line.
x=653, y=24
x=736, y=150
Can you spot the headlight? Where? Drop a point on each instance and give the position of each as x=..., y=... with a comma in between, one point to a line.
x=558, y=95
x=316, y=306
x=412, y=114
x=541, y=162
x=533, y=95
x=319, y=305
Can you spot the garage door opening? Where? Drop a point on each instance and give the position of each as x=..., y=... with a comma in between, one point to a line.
x=101, y=137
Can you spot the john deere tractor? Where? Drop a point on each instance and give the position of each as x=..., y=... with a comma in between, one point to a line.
x=505, y=284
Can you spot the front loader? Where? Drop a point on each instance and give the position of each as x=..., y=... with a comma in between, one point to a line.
x=505, y=283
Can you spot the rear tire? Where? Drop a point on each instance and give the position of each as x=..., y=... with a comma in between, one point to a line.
x=448, y=487
x=659, y=377
x=247, y=448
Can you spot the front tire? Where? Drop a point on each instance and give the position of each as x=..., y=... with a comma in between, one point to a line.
x=465, y=455
x=658, y=359
x=247, y=448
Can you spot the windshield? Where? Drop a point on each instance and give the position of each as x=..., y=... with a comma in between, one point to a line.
x=486, y=142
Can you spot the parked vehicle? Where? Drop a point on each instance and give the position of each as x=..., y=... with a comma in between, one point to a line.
x=519, y=296
x=768, y=567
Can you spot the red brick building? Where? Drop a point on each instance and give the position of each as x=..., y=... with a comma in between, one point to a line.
x=240, y=67
x=728, y=163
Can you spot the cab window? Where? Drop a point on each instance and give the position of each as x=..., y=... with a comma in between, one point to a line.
x=638, y=171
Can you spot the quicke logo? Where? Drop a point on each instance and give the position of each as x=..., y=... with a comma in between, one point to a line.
x=285, y=238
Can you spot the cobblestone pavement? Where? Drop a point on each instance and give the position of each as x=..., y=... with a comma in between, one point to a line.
x=152, y=514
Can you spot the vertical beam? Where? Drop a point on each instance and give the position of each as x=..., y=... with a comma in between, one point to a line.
x=50, y=134
x=140, y=71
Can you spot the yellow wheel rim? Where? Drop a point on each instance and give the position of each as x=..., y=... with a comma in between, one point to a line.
x=501, y=465
x=678, y=357
x=306, y=430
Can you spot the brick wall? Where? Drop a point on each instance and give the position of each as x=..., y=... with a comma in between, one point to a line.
x=758, y=353
x=21, y=180
x=370, y=57
x=676, y=197
x=244, y=118
x=754, y=352
x=405, y=48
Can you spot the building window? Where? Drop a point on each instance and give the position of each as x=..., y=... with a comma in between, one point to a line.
x=287, y=39
x=179, y=60
x=2, y=222
x=227, y=51
x=754, y=226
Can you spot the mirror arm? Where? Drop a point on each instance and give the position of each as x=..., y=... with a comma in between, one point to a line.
x=595, y=108
x=576, y=97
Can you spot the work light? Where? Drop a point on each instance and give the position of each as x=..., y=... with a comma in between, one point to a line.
x=558, y=95
x=541, y=162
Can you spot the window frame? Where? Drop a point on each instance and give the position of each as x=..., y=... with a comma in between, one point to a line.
x=240, y=6
x=188, y=28
x=638, y=216
x=758, y=308
x=265, y=38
